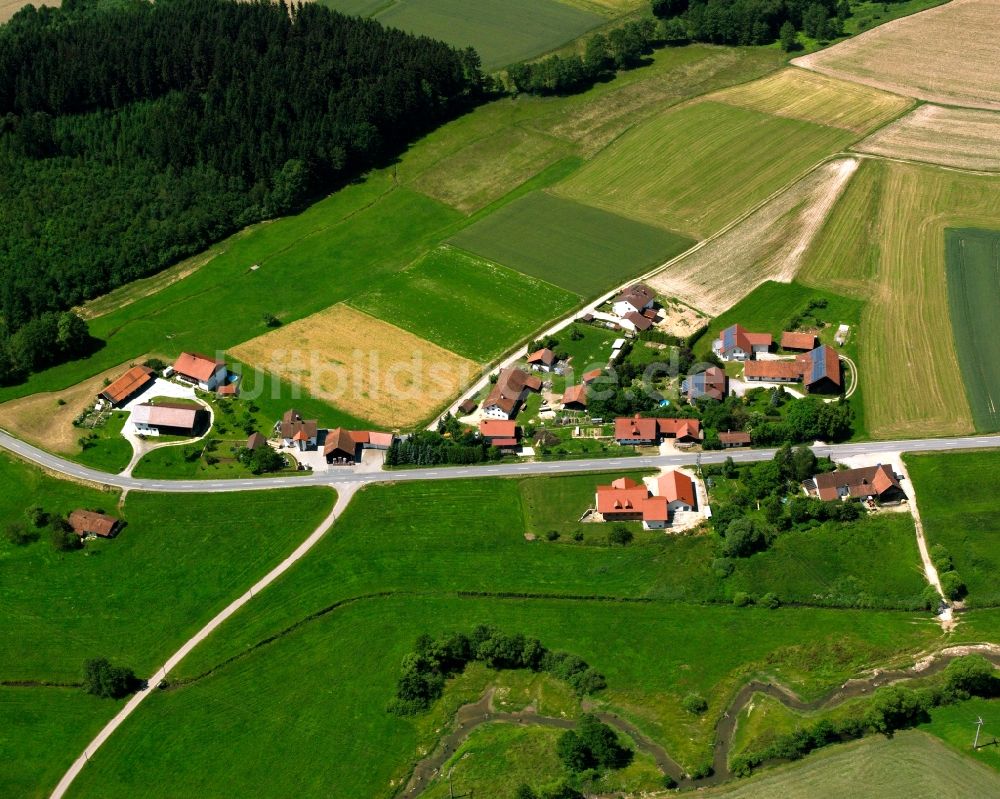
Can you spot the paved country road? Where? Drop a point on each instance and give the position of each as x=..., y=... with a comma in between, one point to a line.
x=346, y=477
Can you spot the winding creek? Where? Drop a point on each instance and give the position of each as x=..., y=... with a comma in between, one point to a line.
x=475, y=714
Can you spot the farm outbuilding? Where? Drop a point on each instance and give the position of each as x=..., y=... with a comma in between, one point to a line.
x=90, y=522
x=124, y=388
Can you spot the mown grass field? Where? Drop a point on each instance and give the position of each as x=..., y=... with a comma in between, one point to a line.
x=912, y=56
x=42, y=731
x=202, y=741
x=810, y=97
x=907, y=765
x=695, y=168
x=895, y=257
x=956, y=726
x=962, y=520
x=137, y=597
x=362, y=364
x=502, y=31
x=580, y=248
x=973, y=261
x=957, y=137
x=469, y=305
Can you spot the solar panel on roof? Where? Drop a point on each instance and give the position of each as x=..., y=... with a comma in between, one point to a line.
x=729, y=337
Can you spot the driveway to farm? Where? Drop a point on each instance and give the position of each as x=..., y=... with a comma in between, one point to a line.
x=58, y=465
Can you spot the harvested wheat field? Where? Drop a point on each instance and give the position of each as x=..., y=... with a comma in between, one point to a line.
x=959, y=137
x=9, y=8
x=767, y=245
x=949, y=54
x=362, y=365
x=811, y=97
x=40, y=419
x=897, y=262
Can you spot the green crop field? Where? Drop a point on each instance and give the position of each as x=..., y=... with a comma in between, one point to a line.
x=956, y=725
x=963, y=520
x=42, y=730
x=137, y=597
x=465, y=303
x=973, y=261
x=696, y=168
x=907, y=765
x=502, y=31
x=580, y=248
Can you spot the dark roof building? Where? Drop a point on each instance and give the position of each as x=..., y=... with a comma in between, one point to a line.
x=256, y=441
x=866, y=483
x=89, y=522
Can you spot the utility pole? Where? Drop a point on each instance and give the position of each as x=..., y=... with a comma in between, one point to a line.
x=979, y=727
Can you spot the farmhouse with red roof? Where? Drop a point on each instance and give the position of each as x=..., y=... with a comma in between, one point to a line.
x=128, y=385
x=868, y=484
x=206, y=373
x=735, y=343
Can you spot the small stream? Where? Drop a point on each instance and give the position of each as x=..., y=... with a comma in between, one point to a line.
x=475, y=714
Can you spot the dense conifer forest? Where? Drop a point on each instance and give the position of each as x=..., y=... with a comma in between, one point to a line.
x=133, y=134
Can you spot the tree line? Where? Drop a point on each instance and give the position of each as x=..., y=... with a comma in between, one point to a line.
x=133, y=134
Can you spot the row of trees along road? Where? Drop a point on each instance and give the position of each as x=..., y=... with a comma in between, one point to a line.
x=133, y=134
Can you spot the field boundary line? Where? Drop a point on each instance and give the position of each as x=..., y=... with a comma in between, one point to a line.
x=345, y=491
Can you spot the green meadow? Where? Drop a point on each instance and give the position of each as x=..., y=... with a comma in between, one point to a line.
x=139, y=596
x=311, y=704
x=956, y=726
x=963, y=518
x=973, y=258
x=698, y=167
x=494, y=27
x=42, y=730
x=583, y=249
x=465, y=303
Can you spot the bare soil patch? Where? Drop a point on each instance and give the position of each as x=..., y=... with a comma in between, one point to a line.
x=39, y=419
x=364, y=366
x=811, y=97
x=949, y=54
x=958, y=137
x=767, y=245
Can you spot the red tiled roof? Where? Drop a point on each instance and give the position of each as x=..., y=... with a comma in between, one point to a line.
x=509, y=388
x=503, y=442
x=680, y=428
x=129, y=383
x=228, y=389
x=590, y=376
x=544, y=356
x=380, y=439
x=498, y=428
x=734, y=438
x=863, y=482
x=819, y=364
x=655, y=509
x=360, y=436
x=629, y=428
x=760, y=339
x=575, y=394
x=798, y=341
x=616, y=500
x=675, y=486
x=339, y=440
x=84, y=522
x=773, y=370
x=256, y=441
x=200, y=367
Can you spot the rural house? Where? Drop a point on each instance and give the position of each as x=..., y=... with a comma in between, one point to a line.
x=637, y=322
x=635, y=299
x=206, y=373
x=772, y=371
x=638, y=431
x=799, y=342
x=124, y=388
x=296, y=431
x=731, y=439
x=711, y=383
x=164, y=418
x=256, y=441
x=340, y=446
x=89, y=522
x=736, y=344
x=501, y=433
x=508, y=392
x=821, y=372
x=869, y=484
x=575, y=398
x=678, y=490
x=542, y=360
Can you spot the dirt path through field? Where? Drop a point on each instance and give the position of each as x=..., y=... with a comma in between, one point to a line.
x=769, y=244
